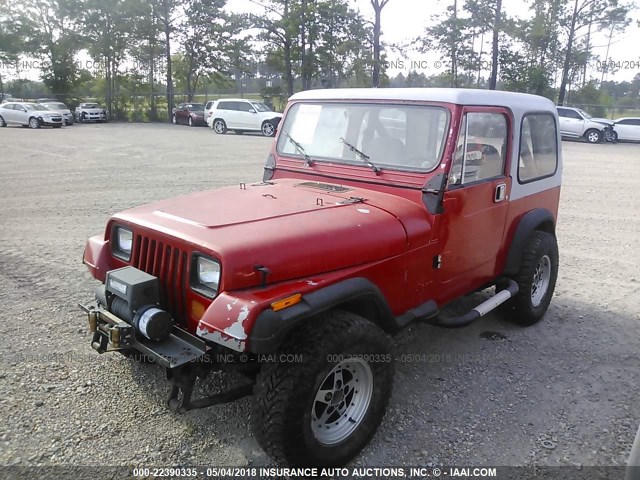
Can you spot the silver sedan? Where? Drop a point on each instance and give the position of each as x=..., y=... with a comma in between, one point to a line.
x=28, y=115
x=62, y=109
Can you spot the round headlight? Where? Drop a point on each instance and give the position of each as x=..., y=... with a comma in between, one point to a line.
x=208, y=273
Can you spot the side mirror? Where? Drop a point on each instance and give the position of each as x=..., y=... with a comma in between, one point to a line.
x=433, y=192
x=252, y=110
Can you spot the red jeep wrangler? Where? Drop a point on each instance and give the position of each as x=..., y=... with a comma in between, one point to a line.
x=377, y=207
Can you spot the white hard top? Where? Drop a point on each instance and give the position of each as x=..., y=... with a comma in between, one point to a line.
x=459, y=96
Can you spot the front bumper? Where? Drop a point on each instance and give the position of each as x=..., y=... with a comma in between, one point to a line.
x=111, y=333
x=93, y=117
x=50, y=122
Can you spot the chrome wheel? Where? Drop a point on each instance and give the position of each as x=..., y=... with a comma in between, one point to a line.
x=342, y=401
x=174, y=120
x=34, y=123
x=190, y=122
x=541, y=279
x=219, y=127
x=268, y=129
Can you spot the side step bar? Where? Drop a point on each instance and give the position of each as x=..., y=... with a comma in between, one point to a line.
x=479, y=311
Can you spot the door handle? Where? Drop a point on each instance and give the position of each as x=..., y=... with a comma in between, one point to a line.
x=500, y=193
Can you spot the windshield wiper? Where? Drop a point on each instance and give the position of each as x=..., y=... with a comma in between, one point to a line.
x=300, y=149
x=362, y=155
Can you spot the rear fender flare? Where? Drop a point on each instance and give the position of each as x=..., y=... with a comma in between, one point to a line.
x=537, y=219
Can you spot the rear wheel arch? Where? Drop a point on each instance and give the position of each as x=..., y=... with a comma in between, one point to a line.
x=539, y=219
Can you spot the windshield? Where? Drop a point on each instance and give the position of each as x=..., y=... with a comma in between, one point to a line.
x=90, y=105
x=584, y=114
x=31, y=106
x=56, y=106
x=197, y=107
x=391, y=136
x=260, y=107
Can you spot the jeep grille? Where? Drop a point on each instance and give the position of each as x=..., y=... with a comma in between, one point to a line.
x=169, y=265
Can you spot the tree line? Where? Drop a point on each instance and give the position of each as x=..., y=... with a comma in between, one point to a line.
x=144, y=46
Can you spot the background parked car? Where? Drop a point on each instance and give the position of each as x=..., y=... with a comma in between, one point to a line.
x=576, y=123
x=191, y=114
x=90, y=112
x=628, y=129
x=208, y=110
x=28, y=115
x=243, y=115
x=62, y=109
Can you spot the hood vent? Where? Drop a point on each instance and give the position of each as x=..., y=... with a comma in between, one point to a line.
x=324, y=187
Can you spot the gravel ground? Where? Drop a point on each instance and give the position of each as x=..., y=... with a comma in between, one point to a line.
x=563, y=392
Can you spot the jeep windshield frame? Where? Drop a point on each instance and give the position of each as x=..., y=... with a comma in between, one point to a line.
x=397, y=136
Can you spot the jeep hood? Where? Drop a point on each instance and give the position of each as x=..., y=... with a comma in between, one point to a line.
x=294, y=228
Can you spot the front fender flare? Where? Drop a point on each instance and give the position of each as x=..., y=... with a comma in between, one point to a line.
x=271, y=328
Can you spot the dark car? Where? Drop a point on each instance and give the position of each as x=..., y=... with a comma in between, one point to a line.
x=191, y=114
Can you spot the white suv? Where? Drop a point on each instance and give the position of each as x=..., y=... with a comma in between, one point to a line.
x=242, y=115
x=576, y=123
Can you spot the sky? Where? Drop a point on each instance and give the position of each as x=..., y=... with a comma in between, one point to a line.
x=403, y=20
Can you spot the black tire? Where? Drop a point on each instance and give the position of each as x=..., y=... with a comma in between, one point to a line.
x=83, y=118
x=333, y=348
x=219, y=126
x=593, y=136
x=268, y=129
x=2, y=122
x=34, y=122
x=534, y=294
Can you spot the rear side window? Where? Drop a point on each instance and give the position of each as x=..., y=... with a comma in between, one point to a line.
x=538, y=147
x=226, y=106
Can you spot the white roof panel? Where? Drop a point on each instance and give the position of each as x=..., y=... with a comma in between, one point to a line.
x=460, y=96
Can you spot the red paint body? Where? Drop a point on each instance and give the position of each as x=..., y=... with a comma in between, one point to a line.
x=309, y=239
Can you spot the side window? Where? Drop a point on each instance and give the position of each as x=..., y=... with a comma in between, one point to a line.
x=480, y=149
x=562, y=112
x=573, y=114
x=538, y=147
x=244, y=106
x=224, y=106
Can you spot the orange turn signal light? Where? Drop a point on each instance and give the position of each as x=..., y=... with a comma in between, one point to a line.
x=286, y=302
x=197, y=310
